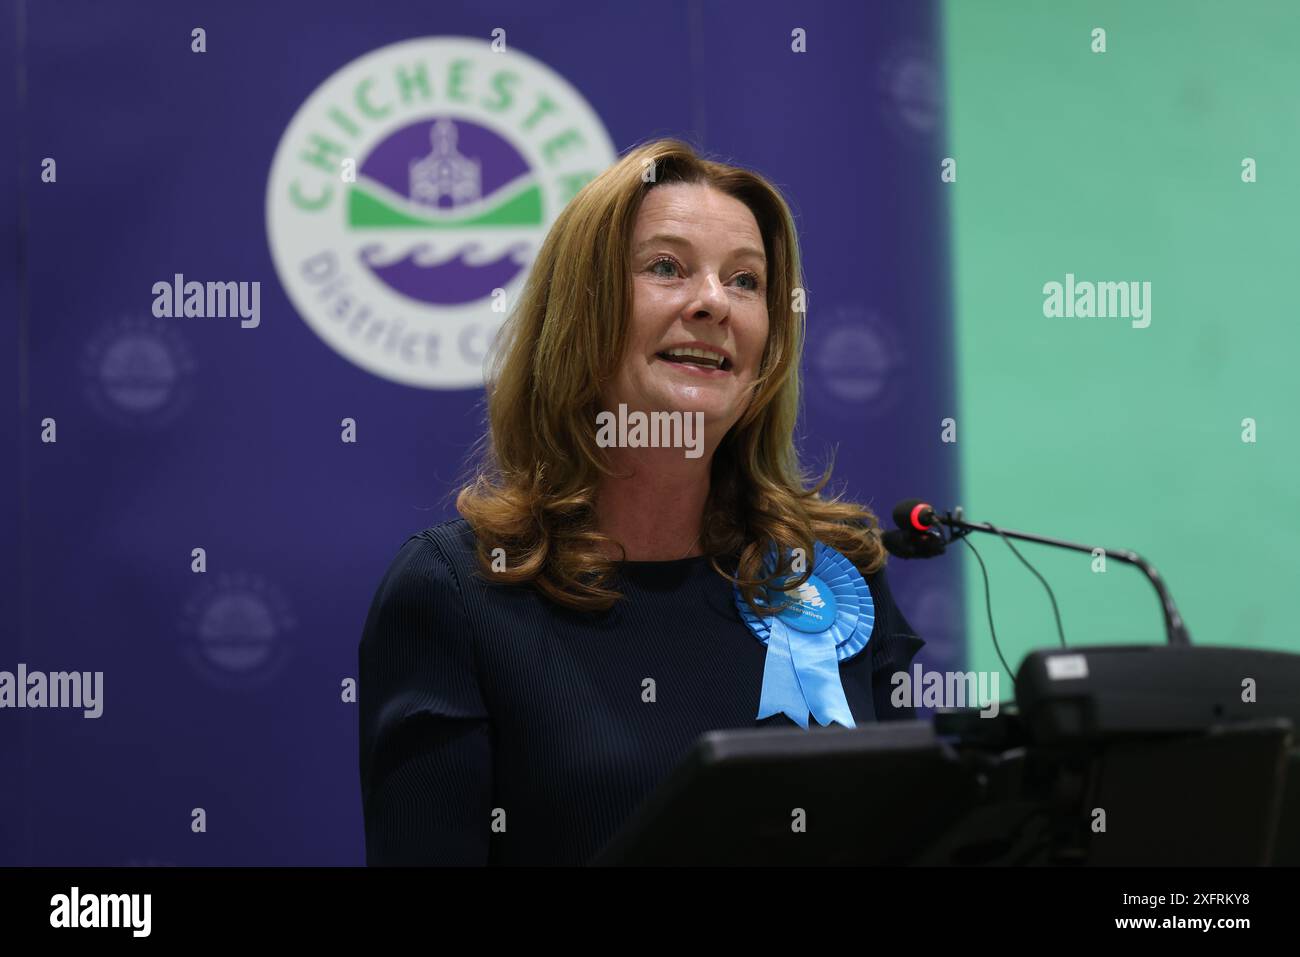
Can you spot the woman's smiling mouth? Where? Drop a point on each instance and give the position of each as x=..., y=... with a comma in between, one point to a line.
x=697, y=359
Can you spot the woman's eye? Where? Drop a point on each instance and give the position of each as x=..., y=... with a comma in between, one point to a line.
x=669, y=268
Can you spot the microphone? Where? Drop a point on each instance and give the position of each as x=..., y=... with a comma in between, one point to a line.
x=919, y=537
x=914, y=514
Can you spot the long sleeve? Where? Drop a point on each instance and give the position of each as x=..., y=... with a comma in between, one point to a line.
x=894, y=647
x=425, y=736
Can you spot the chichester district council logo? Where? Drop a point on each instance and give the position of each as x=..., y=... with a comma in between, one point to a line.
x=410, y=193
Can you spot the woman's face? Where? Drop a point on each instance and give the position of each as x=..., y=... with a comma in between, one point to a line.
x=699, y=281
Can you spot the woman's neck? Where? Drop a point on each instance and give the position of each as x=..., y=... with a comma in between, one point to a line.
x=654, y=505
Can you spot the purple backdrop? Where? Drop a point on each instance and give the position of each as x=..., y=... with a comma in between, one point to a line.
x=222, y=689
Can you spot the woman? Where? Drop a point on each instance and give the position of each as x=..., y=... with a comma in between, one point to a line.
x=531, y=671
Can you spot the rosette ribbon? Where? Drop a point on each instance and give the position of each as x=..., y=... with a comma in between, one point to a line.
x=829, y=621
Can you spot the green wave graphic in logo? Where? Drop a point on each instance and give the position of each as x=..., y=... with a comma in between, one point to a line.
x=373, y=206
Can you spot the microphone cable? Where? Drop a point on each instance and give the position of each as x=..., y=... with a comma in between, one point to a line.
x=1060, y=630
x=988, y=608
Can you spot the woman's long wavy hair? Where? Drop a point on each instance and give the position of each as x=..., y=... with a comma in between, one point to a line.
x=532, y=491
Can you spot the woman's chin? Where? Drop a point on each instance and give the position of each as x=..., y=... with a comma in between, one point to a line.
x=708, y=410
x=714, y=403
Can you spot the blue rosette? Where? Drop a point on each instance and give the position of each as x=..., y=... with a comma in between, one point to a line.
x=830, y=621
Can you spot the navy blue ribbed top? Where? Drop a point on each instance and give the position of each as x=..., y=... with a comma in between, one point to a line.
x=497, y=727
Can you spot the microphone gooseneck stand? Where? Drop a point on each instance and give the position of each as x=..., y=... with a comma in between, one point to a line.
x=1175, y=630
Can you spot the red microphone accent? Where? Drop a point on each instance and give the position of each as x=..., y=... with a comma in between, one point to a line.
x=916, y=514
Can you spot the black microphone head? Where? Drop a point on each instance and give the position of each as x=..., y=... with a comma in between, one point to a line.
x=898, y=543
x=903, y=513
x=902, y=543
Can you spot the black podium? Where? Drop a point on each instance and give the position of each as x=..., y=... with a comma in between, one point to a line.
x=1089, y=769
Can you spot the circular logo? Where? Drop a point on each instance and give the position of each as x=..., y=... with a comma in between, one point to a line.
x=856, y=361
x=410, y=193
x=235, y=628
x=813, y=610
x=137, y=373
x=911, y=90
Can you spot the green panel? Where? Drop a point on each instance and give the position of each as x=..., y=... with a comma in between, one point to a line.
x=1126, y=166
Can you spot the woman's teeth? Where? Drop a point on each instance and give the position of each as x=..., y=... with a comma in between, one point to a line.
x=704, y=357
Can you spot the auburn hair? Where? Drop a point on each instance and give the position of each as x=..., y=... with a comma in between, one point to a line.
x=532, y=489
